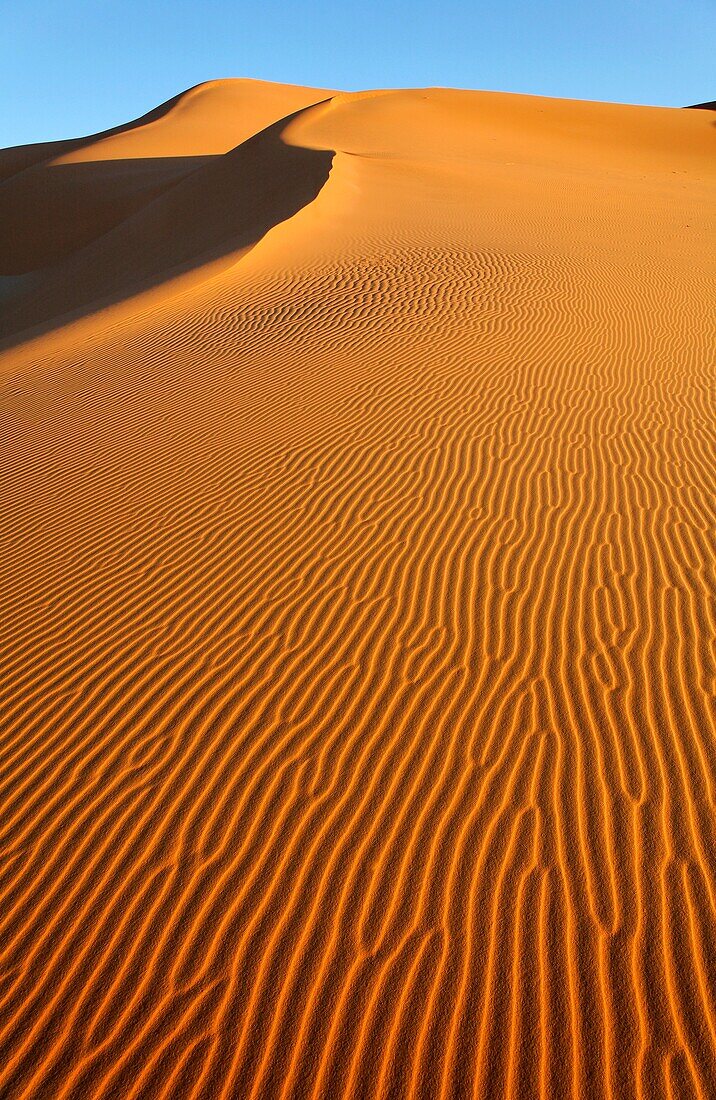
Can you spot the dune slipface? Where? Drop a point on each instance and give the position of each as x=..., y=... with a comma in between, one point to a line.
x=357, y=627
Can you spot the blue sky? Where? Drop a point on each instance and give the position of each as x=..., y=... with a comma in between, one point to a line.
x=71, y=67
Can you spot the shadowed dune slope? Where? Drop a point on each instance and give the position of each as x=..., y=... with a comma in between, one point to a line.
x=219, y=210
x=57, y=197
x=357, y=625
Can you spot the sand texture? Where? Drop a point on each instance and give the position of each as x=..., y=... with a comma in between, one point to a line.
x=357, y=616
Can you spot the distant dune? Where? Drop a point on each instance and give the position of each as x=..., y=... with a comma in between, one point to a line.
x=358, y=615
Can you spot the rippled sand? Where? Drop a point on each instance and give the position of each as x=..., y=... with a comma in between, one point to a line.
x=357, y=610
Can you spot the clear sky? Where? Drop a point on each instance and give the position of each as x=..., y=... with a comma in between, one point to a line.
x=71, y=67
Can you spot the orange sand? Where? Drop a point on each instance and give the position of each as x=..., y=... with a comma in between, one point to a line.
x=357, y=626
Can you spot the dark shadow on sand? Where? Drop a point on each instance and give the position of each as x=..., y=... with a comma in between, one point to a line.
x=49, y=211
x=179, y=215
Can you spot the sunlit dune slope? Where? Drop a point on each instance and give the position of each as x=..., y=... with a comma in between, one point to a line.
x=357, y=625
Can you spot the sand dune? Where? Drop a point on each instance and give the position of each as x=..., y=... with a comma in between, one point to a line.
x=357, y=628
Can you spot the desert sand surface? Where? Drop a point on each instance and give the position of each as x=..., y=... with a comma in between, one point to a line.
x=357, y=614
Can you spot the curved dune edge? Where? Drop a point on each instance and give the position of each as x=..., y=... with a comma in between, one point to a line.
x=357, y=632
x=215, y=211
x=59, y=197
